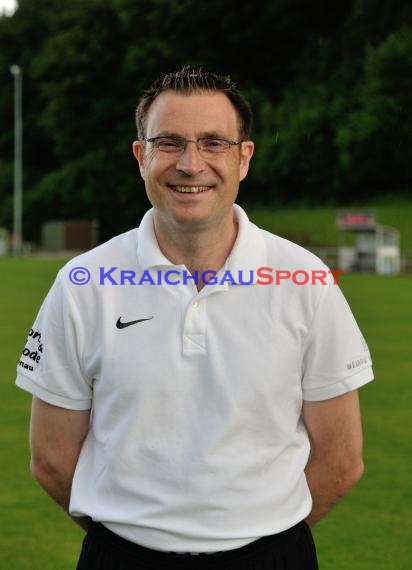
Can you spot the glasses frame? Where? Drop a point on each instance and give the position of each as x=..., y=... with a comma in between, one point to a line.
x=185, y=142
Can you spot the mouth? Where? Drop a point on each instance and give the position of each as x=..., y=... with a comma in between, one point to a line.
x=189, y=189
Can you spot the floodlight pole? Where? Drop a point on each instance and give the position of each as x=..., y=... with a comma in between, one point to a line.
x=16, y=71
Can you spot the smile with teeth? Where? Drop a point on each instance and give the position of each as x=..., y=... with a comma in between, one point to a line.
x=190, y=189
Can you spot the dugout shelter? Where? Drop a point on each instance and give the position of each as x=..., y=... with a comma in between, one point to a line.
x=375, y=247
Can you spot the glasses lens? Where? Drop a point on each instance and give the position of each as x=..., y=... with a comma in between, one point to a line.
x=176, y=145
x=169, y=144
x=214, y=146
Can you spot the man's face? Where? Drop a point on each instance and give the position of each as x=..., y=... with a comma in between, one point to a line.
x=189, y=190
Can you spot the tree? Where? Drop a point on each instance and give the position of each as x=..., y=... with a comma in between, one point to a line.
x=375, y=142
x=320, y=100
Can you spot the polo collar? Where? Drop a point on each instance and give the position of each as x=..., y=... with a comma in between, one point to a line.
x=249, y=250
x=247, y=255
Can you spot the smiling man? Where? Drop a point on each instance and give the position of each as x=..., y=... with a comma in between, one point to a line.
x=193, y=153
x=193, y=424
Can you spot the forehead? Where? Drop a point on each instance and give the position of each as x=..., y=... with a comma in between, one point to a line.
x=192, y=115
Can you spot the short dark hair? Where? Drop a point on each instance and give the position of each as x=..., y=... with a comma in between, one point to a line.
x=188, y=80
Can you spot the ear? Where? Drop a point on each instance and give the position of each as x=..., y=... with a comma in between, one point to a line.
x=138, y=151
x=246, y=153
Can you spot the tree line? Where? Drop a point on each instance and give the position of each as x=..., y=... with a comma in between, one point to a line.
x=330, y=85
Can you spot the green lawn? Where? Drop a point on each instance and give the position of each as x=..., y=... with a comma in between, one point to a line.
x=316, y=227
x=370, y=529
x=35, y=535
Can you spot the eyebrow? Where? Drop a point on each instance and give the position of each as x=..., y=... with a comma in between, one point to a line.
x=203, y=135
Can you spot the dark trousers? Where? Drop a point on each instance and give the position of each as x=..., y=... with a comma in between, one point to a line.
x=292, y=549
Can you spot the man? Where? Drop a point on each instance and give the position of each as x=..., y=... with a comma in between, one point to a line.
x=193, y=406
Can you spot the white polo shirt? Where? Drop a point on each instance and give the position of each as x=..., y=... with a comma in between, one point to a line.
x=196, y=441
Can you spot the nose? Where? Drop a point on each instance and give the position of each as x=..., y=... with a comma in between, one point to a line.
x=190, y=162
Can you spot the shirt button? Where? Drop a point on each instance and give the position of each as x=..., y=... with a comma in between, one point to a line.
x=195, y=304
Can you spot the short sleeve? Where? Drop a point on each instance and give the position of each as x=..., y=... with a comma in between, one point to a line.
x=336, y=357
x=50, y=366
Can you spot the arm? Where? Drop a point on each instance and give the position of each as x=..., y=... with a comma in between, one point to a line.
x=56, y=438
x=335, y=463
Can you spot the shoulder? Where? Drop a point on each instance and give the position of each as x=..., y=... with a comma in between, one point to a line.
x=290, y=254
x=118, y=249
x=258, y=244
x=80, y=277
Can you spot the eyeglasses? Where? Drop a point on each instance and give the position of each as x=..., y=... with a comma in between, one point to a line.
x=206, y=146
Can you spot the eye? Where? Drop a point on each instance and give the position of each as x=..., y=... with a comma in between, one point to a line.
x=213, y=145
x=168, y=144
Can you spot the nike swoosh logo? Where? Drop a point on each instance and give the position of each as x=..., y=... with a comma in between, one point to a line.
x=121, y=325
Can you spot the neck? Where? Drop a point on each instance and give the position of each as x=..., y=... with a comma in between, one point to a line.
x=197, y=249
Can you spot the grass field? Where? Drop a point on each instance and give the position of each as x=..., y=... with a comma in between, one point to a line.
x=371, y=529
x=316, y=227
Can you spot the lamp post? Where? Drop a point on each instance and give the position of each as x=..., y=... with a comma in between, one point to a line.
x=16, y=71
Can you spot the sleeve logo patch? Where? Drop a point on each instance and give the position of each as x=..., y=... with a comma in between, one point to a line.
x=359, y=362
x=33, y=351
